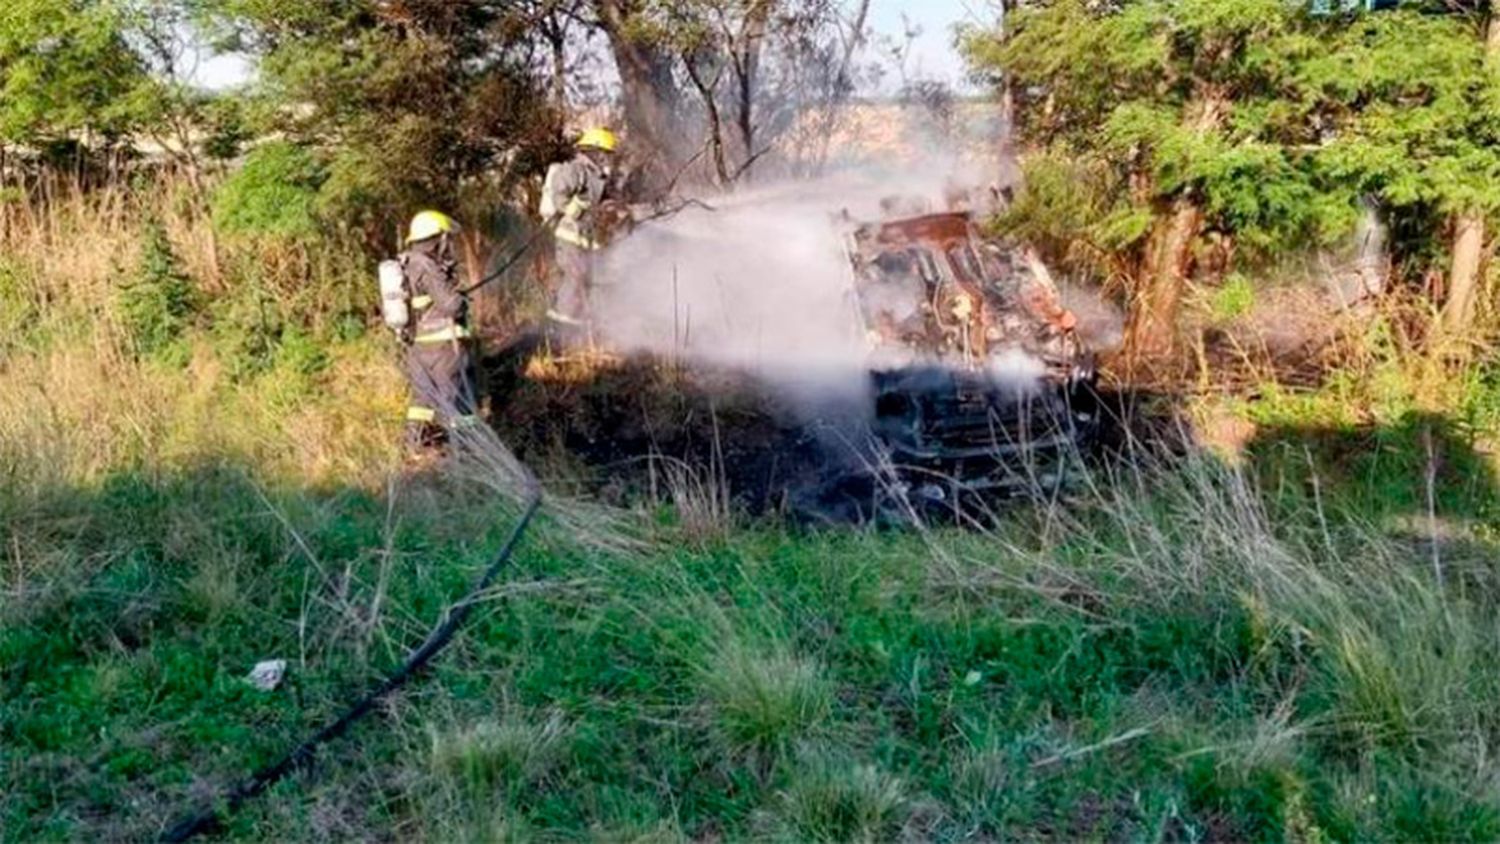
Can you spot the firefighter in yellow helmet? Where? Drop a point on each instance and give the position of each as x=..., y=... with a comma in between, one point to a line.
x=571, y=196
x=439, y=362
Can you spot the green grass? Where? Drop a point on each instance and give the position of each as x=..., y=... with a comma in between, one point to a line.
x=1301, y=647
x=1172, y=665
x=765, y=700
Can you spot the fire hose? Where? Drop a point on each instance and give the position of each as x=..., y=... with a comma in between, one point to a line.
x=540, y=233
x=509, y=262
x=208, y=818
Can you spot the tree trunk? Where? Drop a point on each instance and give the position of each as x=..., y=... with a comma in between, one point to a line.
x=1492, y=33
x=708, y=90
x=1010, y=162
x=746, y=63
x=1463, y=275
x=1151, y=330
x=1151, y=324
x=560, y=73
x=649, y=94
x=1468, y=231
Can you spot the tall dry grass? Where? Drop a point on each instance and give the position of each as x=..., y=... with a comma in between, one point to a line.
x=1382, y=642
x=80, y=404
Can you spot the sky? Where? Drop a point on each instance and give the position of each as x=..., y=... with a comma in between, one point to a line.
x=220, y=72
x=932, y=55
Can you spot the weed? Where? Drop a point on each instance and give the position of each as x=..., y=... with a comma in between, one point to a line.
x=508, y=753
x=274, y=195
x=1234, y=299
x=830, y=798
x=765, y=700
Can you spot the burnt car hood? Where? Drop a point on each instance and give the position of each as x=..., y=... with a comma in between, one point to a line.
x=929, y=291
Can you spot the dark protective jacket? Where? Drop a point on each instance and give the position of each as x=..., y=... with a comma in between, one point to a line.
x=441, y=311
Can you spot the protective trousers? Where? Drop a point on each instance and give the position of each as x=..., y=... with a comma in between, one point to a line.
x=442, y=387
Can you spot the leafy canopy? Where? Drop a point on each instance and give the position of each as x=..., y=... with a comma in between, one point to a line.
x=66, y=67
x=1178, y=98
x=407, y=104
x=1420, y=109
x=1270, y=118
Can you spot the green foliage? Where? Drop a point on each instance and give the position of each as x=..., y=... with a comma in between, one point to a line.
x=1420, y=108
x=226, y=128
x=20, y=308
x=65, y=67
x=1235, y=298
x=1270, y=120
x=247, y=329
x=274, y=195
x=294, y=369
x=426, y=108
x=1199, y=99
x=158, y=303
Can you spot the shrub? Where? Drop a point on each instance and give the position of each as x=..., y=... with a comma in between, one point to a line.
x=274, y=195
x=159, y=302
x=247, y=330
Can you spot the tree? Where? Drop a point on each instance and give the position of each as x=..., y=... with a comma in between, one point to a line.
x=1195, y=121
x=1419, y=101
x=1469, y=225
x=756, y=67
x=556, y=22
x=67, y=73
x=649, y=91
x=408, y=104
x=720, y=43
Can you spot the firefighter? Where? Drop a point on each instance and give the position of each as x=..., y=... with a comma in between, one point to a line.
x=439, y=363
x=571, y=197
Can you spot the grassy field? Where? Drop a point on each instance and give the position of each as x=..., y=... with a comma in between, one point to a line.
x=1295, y=644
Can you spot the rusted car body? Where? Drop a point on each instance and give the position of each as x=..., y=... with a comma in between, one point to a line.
x=981, y=381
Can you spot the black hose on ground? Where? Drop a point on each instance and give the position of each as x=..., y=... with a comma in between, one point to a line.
x=208, y=818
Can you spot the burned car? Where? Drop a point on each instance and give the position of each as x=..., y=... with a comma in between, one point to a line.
x=982, y=384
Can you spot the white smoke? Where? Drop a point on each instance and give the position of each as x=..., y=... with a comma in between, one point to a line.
x=758, y=283
x=761, y=283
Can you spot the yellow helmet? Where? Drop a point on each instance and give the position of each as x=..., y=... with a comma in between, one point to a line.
x=429, y=224
x=598, y=138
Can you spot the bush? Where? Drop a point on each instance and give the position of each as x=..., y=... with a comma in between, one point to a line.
x=247, y=330
x=19, y=314
x=159, y=302
x=274, y=195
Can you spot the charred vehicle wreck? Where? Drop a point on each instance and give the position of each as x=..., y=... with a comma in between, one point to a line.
x=982, y=385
